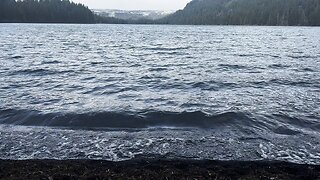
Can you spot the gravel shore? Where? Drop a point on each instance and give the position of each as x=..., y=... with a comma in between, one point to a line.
x=154, y=169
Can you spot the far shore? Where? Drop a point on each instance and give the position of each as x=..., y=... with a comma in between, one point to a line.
x=153, y=24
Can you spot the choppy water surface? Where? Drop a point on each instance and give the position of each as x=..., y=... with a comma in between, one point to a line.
x=116, y=92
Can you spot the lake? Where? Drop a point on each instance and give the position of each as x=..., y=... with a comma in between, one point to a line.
x=116, y=92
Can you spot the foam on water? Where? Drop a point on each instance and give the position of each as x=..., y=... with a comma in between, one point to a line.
x=43, y=143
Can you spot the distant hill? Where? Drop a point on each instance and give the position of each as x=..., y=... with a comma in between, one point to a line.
x=44, y=11
x=248, y=12
x=132, y=15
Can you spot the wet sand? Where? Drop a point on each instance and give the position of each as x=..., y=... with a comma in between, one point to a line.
x=154, y=169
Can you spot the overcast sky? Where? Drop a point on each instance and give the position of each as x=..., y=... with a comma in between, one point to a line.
x=135, y=4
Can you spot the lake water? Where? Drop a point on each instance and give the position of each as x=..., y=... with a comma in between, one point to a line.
x=116, y=92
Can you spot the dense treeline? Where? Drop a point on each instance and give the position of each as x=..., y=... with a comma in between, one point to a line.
x=47, y=11
x=205, y=12
x=248, y=12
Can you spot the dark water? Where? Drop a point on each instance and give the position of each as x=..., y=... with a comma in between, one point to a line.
x=116, y=92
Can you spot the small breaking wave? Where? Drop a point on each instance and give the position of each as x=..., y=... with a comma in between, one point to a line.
x=239, y=121
x=102, y=120
x=279, y=66
x=302, y=56
x=168, y=48
x=38, y=72
x=16, y=57
x=232, y=66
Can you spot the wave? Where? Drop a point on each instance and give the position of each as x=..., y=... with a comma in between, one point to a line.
x=279, y=66
x=123, y=119
x=39, y=72
x=17, y=57
x=239, y=121
x=232, y=66
x=303, y=56
x=309, y=83
x=305, y=70
x=168, y=48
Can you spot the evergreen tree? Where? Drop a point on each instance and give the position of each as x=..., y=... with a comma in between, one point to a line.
x=248, y=12
x=44, y=11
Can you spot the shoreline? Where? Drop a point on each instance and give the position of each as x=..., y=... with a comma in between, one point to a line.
x=159, y=24
x=155, y=169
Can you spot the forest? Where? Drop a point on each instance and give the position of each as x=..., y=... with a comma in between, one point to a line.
x=248, y=12
x=197, y=12
x=44, y=11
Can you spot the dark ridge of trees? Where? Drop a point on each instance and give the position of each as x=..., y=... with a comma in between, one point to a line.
x=197, y=12
x=44, y=11
x=248, y=12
